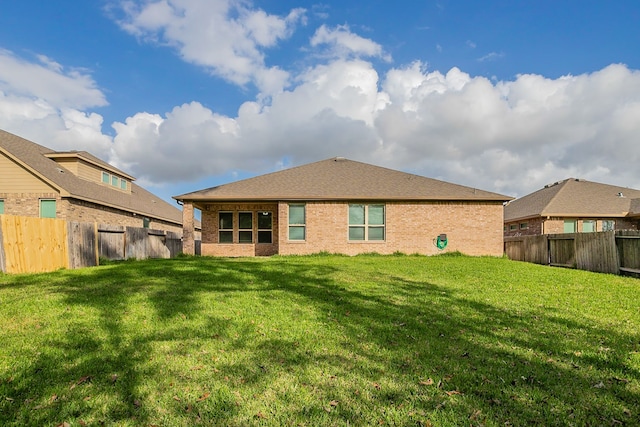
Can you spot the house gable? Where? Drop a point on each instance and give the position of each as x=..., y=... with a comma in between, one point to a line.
x=15, y=179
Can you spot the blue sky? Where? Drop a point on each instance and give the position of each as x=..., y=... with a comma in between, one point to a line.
x=506, y=96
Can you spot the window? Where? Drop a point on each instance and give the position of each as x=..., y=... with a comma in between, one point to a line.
x=265, y=224
x=245, y=225
x=225, y=227
x=524, y=225
x=47, y=208
x=297, y=222
x=146, y=222
x=588, y=226
x=1, y=206
x=366, y=222
x=608, y=225
x=114, y=181
x=570, y=226
x=513, y=227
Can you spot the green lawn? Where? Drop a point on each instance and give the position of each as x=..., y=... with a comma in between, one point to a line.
x=320, y=340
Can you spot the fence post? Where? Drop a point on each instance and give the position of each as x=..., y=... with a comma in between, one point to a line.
x=3, y=267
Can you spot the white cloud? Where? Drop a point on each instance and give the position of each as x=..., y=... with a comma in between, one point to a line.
x=191, y=141
x=44, y=102
x=511, y=136
x=507, y=136
x=330, y=112
x=491, y=56
x=225, y=36
x=48, y=81
x=515, y=136
x=342, y=43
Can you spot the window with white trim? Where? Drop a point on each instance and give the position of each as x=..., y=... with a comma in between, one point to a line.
x=608, y=225
x=366, y=222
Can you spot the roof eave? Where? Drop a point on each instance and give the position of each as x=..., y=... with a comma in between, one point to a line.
x=205, y=199
x=584, y=215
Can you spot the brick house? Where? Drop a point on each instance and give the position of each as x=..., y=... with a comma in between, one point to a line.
x=76, y=186
x=342, y=206
x=573, y=206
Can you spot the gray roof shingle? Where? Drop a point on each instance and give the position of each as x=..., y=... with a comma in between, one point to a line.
x=341, y=179
x=37, y=159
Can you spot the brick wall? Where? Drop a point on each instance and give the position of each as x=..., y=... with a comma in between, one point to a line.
x=410, y=227
x=81, y=211
x=27, y=204
x=529, y=227
x=474, y=228
x=77, y=210
x=188, y=229
x=556, y=226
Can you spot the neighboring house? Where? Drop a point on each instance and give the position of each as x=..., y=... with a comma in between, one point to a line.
x=573, y=206
x=342, y=206
x=76, y=186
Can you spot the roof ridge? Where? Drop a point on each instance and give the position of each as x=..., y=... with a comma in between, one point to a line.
x=262, y=175
x=562, y=185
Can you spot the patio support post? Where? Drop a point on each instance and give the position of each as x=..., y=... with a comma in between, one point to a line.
x=188, y=229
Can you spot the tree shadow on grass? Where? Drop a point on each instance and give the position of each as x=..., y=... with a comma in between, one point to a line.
x=419, y=353
x=488, y=364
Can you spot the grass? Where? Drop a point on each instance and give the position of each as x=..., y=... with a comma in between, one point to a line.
x=319, y=340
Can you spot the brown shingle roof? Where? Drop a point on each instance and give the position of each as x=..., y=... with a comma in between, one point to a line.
x=635, y=207
x=340, y=179
x=573, y=198
x=38, y=160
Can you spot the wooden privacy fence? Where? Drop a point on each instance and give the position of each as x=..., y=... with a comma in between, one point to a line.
x=616, y=252
x=33, y=245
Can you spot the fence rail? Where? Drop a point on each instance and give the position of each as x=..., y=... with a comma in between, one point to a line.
x=33, y=245
x=615, y=252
